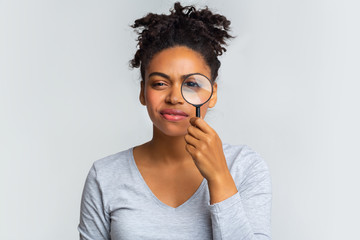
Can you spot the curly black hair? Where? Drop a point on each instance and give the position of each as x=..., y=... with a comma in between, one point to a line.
x=200, y=30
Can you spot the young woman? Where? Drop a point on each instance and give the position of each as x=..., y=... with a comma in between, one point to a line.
x=184, y=183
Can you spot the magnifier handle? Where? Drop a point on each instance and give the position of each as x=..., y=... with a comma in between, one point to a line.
x=198, y=112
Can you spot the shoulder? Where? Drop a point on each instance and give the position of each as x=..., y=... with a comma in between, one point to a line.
x=242, y=154
x=244, y=163
x=112, y=166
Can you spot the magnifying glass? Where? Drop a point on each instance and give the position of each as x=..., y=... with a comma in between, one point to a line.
x=197, y=89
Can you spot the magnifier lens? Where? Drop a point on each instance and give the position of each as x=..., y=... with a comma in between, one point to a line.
x=196, y=89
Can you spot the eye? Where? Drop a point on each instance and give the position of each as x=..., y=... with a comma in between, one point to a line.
x=192, y=84
x=158, y=85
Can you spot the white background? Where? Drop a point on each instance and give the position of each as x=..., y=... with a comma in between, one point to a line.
x=288, y=88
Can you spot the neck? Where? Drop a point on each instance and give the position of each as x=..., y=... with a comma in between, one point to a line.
x=167, y=149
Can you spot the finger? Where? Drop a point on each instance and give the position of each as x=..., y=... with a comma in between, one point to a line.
x=196, y=132
x=191, y=149
x=201, y=124
x=191, y=140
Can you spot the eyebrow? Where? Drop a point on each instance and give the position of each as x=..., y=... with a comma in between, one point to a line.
x=159, y=74
x=167, y=76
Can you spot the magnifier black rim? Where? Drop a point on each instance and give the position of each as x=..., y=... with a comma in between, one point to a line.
x=212, y=89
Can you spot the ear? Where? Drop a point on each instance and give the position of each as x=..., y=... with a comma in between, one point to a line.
x=142, y=92
x=213, y=98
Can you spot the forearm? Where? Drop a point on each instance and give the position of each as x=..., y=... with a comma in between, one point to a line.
x=246, y=214
x=221, y=188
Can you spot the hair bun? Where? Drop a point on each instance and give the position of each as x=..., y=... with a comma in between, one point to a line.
x=198, y=29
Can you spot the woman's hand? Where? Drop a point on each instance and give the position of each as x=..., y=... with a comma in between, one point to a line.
x=205, y=147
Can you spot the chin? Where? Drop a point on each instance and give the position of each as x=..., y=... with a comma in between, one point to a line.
x=175, y=134
x=173, y=131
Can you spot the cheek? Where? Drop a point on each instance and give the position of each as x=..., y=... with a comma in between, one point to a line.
x=203, y=109
x=153, y=98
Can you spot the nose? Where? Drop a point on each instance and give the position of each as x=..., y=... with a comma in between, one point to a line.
x=174, y=96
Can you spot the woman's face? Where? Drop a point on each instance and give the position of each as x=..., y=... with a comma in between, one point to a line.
x=161, y=91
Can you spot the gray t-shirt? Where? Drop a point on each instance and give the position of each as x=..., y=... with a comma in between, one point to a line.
x=117, y=203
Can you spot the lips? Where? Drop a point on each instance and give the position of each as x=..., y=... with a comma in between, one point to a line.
x=173, y=114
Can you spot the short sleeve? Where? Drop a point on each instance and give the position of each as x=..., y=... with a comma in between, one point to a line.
x=94, y=220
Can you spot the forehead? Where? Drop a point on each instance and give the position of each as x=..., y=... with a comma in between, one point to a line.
x=178, y=61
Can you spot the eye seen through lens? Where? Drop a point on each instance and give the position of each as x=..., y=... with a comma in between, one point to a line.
x=196, y=89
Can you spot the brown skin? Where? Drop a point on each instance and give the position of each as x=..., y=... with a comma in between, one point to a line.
x=182, y=153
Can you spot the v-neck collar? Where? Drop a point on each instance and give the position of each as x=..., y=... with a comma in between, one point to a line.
x=160, y=203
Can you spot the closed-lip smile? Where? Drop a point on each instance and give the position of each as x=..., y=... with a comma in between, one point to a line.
x=173, y=114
